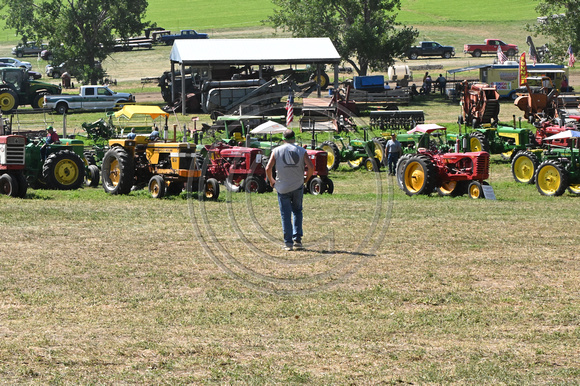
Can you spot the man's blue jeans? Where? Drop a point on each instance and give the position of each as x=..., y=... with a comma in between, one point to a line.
x=291, y=209
x=392, y=159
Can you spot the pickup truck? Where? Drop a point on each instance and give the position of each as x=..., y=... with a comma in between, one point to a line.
x=89, y=98
x=430, y=49
x=490, y=47
x=184, y=34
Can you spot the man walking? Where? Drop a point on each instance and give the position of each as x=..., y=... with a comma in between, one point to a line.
x=394, y=151
x=290, y=160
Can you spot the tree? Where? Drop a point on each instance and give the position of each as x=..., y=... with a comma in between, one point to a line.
x=364, y=32
x=561, y=24
x=79, y=32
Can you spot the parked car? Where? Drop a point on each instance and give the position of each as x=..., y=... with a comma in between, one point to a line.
x=53, y=71
x=28, y=49
x=431, y=49
x=490, y=47
x=17, y=63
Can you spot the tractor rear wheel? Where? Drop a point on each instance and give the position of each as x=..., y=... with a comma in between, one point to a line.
x=118, y=171
x=380, y=144
x=401, y=163
x=551, y=178
x=323, y=80
x=8, y=185
x=475, y=189
x=419, y=175
x=64, y=170
x=478, y=142
x=524, y=167
x=211, y=190
x=157, y=186
x=372, y=164
x=316, y=186
x=38, y=102
x=8, y=100
x=451, y=188
x=93, y=176
x=255, y=184
x=333, y=159
x=356, y=163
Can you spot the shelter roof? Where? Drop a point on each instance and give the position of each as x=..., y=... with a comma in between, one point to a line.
x=192, y=52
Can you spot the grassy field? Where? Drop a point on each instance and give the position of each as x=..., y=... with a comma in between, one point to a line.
x=99, y=289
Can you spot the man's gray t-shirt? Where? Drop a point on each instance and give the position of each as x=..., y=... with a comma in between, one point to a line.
x=393, y=146
x=289, y=167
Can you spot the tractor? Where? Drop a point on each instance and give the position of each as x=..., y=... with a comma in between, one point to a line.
x=355, y=152
x=450, y=174
x=560, y=170
x=12, y=160
x=540, y=101
x=236, y=167
x=16, y=89
x=319, y=183
x=165, y=167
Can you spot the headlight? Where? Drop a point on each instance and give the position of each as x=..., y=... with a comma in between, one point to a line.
x=2, y=154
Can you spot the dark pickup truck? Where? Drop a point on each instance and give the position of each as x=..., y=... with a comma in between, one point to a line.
x=431, y=49
x=184, y=34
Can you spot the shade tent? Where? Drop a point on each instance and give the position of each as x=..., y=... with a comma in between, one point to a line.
x=252, y=52
x=565, y=134
x=269, y=127
x=426, y=128
x=129, y=111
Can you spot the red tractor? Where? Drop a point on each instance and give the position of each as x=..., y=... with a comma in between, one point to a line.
x=237, y=167
x=319, y=182
x=12, y=180
x=451, y=174
x=548, y=128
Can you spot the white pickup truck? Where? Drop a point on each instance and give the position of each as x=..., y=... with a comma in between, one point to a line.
x=88, y=98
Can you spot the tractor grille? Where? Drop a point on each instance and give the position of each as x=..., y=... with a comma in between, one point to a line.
x=14, y=153
x=481, y=167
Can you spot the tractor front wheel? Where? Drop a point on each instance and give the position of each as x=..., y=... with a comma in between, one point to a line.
x=211, y=189
x=451, y=188
x=380, y=144
x=478, y=142
x=328, y=185
x=64, y=170
x=8, y=185
x=524, y=167
x=574, y=188
x=372, y=164
x=419, y=176
x=475, y=189
x=38, y=102
x=400, y=167
x=255, y=184
x=93, y=176
x=316, y=186
x=356, y=163
x=8, y=100
x=118, y=171
x=333, y=158
x=157, y=186
x=551, y=178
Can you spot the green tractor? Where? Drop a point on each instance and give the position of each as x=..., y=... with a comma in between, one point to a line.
x=504, y=140
x=16, y=89
x=63, y=168
x=355, y=152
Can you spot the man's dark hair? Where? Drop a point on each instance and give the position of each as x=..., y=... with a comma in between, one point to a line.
x=289, y=134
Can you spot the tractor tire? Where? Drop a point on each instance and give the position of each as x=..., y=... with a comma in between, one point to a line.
x=316, y=186
x=373, y=164
x=356, y=164
x=451, y=188
x=551, y=178
x=8, y=100
x=328, y=185
x=22, y=184
x=475, y=190
x=323, y=80
x=333, y=159
x=157, y=186
x=211, y=190
x=524, y=166
x=118, y=171
x=574, y=189
x=508, y=155
x=93, y=176
x=8, y=185
x=419, y=175
x=64, y=170
x=400, y=167
x=478, y=142
x=254, y=184
x=38, y=102
x=380, y=144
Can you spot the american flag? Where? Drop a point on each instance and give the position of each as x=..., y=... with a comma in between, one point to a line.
x=290, y=108
x=571, y=57
x=501, y=58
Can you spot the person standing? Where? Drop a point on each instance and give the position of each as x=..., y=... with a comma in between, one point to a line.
x=394, y=150
x=442, y=82
x=290, y=161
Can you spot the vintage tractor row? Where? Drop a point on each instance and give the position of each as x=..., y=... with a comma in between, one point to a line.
x=450, y=174
x=355, y=152
x=12, y=160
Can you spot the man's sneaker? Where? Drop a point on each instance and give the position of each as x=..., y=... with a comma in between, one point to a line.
x=298, y=245
x=288, y=248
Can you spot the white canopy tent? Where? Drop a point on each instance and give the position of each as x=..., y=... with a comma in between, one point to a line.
x=213, y=52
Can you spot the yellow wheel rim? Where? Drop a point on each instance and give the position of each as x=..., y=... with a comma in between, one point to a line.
x=448, y=187
x=155, y=188
x=524, y=169
x=209, y=192
x=330, y=156
x=575, y=188
x=507, y=154
x=66, y=172
x=356, y=163
x=475, y=144
x=378, y=154
x=7, y=101
x=549, y=179
x=414, y=177
x=115, y=173
x=369, y=165
x=474, y=191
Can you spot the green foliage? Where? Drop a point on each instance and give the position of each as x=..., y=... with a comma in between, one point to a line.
x=365, y=33
x=78, y=32
x=563, y=29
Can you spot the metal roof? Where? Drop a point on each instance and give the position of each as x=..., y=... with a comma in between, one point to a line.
x=254, y=51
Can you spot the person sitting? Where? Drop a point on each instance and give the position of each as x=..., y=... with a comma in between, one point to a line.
x=132, y=134
x=154, y=136
x=51, y=138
